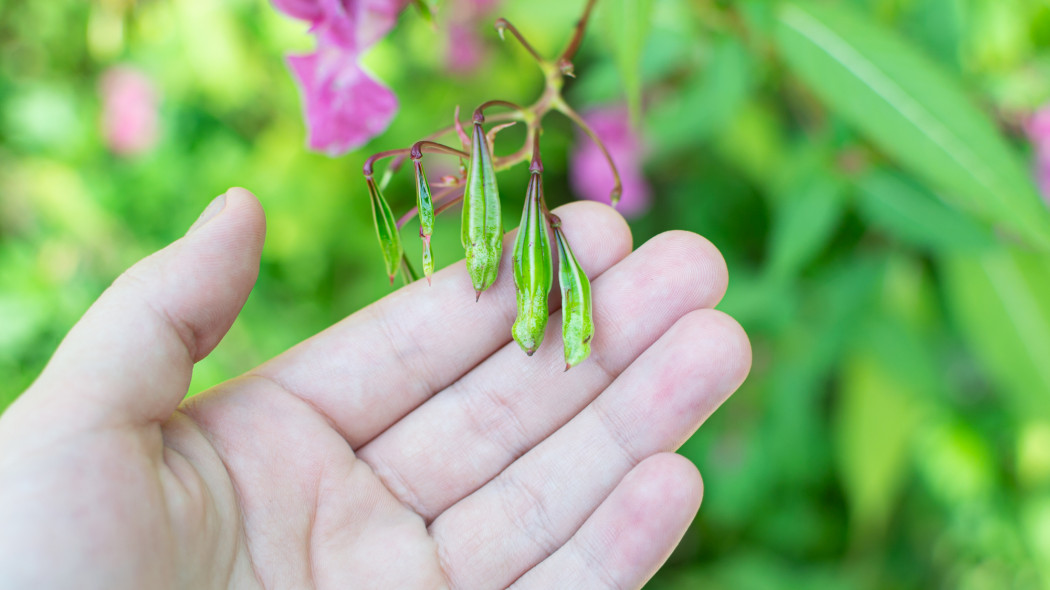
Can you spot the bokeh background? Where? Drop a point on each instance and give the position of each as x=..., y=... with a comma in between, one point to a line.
x=869, y=168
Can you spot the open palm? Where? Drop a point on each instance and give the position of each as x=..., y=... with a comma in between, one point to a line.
x=412, y=445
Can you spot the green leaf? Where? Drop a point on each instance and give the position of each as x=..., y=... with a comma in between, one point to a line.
x=875, y=419
x=709, y=100
x=806, y=216
x=914, y=111
x=912, y=214
x=1000, y=300
x=627, y=24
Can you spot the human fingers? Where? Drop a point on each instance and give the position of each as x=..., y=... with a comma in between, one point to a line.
x=631, y=533
x=371, y=369
x=537, y=503
x=463, y=437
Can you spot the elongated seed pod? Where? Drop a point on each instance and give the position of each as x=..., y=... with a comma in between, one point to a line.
x=425, y=207
x=533, y=270
x=482, y=230
x=386, y=229
x=577, y=323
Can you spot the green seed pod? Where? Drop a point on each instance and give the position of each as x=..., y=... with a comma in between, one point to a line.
x=482, y=230
x=386, y=229
x=577, y=323
x=533, y=271
x=425, y=207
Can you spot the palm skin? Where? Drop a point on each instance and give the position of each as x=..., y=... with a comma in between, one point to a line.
x=412, y=445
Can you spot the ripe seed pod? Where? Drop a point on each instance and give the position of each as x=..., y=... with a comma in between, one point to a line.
x=577, y=322
x=482, y=230
x=533, y=270
x=386, y=229
x=425, y=207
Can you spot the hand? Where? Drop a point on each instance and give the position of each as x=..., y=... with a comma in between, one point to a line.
x=412, y=445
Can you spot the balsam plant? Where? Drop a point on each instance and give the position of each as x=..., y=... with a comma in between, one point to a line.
x=482, y=227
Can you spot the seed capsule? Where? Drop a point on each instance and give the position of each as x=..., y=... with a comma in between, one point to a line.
x=425, y=207
x=386, y=229
x=482, y=230
x=533, y=271
x=577, y=323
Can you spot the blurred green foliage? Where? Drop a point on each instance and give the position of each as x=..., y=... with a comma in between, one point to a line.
x=860, y=163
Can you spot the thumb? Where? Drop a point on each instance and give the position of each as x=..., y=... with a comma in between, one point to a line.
x=130, y=358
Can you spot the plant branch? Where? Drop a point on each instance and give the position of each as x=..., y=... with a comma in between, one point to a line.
x=503, y=24
x=520, y=113
x=417, y=149
x=565, y=109
x=577, y=35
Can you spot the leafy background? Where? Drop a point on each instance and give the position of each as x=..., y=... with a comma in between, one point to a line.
x=861, y=164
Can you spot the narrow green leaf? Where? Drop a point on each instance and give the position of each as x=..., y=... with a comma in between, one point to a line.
x=909, y=212
x=806, y=216
x=914, y=111
x=386, y=229
x=876, y=417
x=627, y=25
x=999, y=299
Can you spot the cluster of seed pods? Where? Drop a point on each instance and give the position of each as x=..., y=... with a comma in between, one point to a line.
x=482, y=238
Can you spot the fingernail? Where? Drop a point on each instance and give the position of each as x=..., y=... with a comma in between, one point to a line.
x=214, y=208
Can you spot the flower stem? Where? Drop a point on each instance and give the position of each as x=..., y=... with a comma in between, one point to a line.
x=577, y=34
x=521, y=112
x=503, y=24
x=563, y=108
x=417, y=149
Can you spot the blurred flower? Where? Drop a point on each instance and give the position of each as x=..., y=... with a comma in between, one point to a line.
x=589, y=171
x=465, y=47
x=1038, y=129
x=344, y=106
x=129, y=110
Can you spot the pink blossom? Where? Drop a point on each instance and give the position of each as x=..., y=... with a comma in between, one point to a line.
x=1038, y=129
x=344, y=106
x=589, y=170
x=129, y=110
x=464, y=45
x=465, y=48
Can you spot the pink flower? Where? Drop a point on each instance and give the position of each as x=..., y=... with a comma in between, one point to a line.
x=464, y=46
x=129, y=111
x=344, y=106
x=589, y=170
x=1038, y=129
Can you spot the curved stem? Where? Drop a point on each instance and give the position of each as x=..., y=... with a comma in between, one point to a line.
x=536, y=166
x=560, y=106
x=398, y=160
x=417, y=149
x=503, y=24
x=479, y=113
x=370, y=162
x=577, y=34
